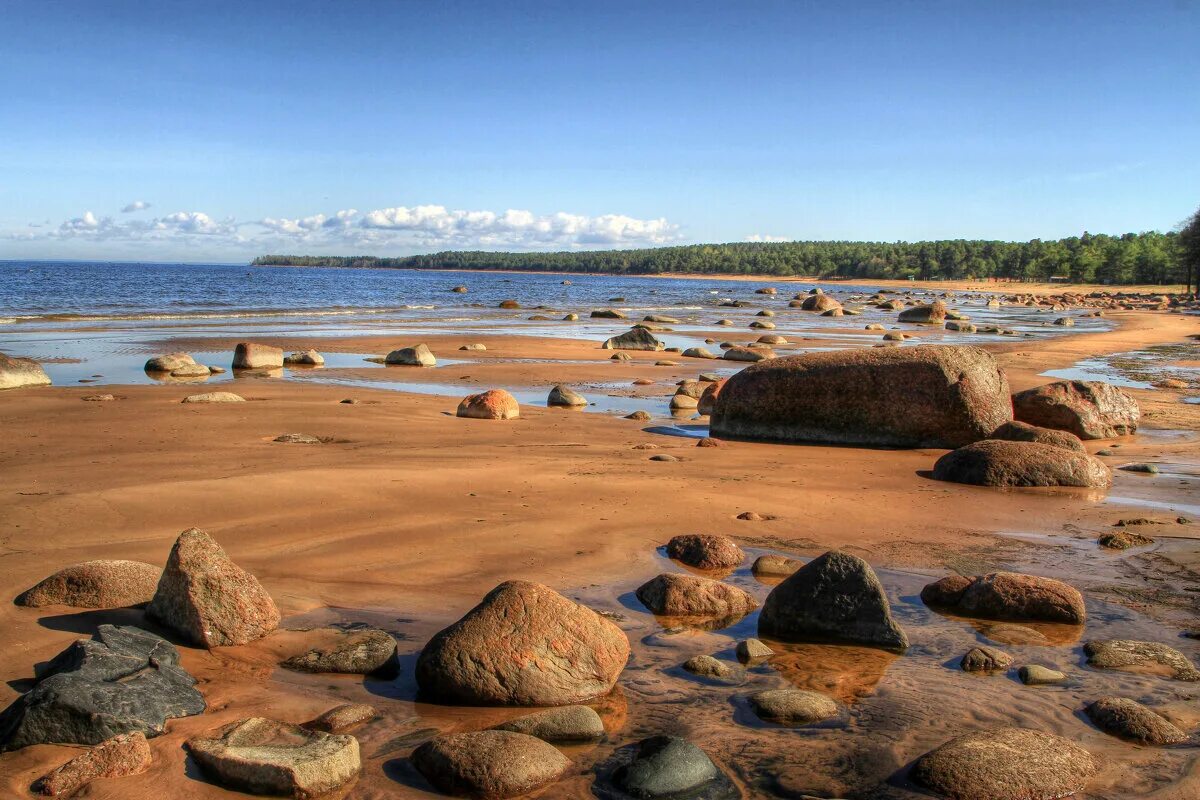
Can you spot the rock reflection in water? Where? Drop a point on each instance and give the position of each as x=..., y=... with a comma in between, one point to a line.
x=846, y=673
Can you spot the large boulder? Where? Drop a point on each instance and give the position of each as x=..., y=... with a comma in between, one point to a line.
x=1088, y=409
x=489, y=764
x=492, y=404
x=1006, y=764
x=1017, y=431
x=819, y=302
x=634, y=339
x=836, y=597
x=524, y=645
x=16, y=373
x=264, y=756
x=209, y=600
x=1129, y=719
x=123, y=680
x=95, y=584
x=705, y=551
x=248, y=355
x=934, y=313
x=675, y=595
x=926, y=396
x=418, y=356
x=1008, y=596
x=995, y=462
x=122, y=755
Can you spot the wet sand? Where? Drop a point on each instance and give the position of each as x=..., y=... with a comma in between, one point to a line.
x=407, y=515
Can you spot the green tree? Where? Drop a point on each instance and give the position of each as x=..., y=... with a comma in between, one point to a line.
x=1189, y=249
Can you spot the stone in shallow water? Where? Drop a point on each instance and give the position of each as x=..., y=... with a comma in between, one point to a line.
x=1008, y=595
x=124, y=680
x=1006, y=764
x=419, y=356
x=95, y=584
x=715, y=669
x=668, y=767
x=489, y=764
x=675, y=595
x=985, y=659
x=249, y=355
x=360, y=651
x=793, y=706
x=1037, y=675
x=122, y=755
x=564, y=724
x=1131, y=720
x=750, y=651
x=562, y=395
x=342, y=718
x=1135, y=656
x=264, y=756
x=705, y=551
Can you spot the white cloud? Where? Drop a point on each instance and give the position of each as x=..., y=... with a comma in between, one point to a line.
x=136, y=205
x=763, y=237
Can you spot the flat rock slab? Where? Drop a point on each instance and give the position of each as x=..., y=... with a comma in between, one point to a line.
x=1145, y=657
x=1006, y=764
x=214, y=397
x=360, y=651
x=264, y=756
x=489, y=764
x=96, y=584
x=565, y=724
x=125, y=680
x=665, y=768
x=122, y=755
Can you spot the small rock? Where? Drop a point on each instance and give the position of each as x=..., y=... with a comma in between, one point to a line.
x=473, y=347
x=359, y=651
x=752, y=516
x=793, y=706
x=340, y=719
x=665, y=457
x=750, y=651
x=1150, y=469
x=563, y=724
x=1131, y=720
x=305, y=358
x=705, y=551
x=122, y=755
x=214, y=397
x=1037, y=675
x=489, y=764
x=98, y=398
x=713, y=668
x=985, y=659
x=169, y=362
x=640, y=416
x=675, y=595
x=296, y=438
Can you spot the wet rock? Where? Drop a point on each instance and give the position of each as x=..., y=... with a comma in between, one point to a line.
x=564, y=396
x=418, y=356
x=1006, y=764
x=751, y=651
x=95, y=584
x=670, y=768
x=1128, y=719
x=359, y=651
x=207, y=599
x=675, y=595
x=340, y=719
x=1008, y=595
x=122, y=755
x=1016, y=431
x=793, y=706
x=1064, y=322
x=1149, y=469
x=836, y=597
x=1088, y=409
x=684, y=402
x=985, y=659
x=926, y=396
x=571, y=318
x=697, y=352
x=608, y=313
x=775, y=565
x=124, y=680
x=748, y=354
x=771, y=339
x=705, y=551
x=819, y=302
x=762, y=325
x=214, y=397
x=191, y=371
x=1013, y=634
x=489, y=764
x=565, y=724
x=993, y=462
x=459, y=290
x=296, y=438
x=249, y=355
x=640, y=416
x=633, y=339
x=1135, y=656
x=263, y=756
x=509, y=304
x=715, y=669
x=524, y=644
x=1122, y=540
x=961, y=327
x=305, y=358
x=492, y=404
x=169, y=362
x=1037, y=675
x=934, y=313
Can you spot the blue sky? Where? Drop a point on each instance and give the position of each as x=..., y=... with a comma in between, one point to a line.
x=392, y=128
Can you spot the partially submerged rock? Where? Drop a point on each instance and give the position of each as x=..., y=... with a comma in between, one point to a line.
x=124, y=680
x=836, y=597
x=525, y=645
x=418, y=356
x=264, y=756
x=340, y=719
x=985, y=659
x=169, y=362
x=1131, y=720
x=492, y=404
x=793, y=706
x=565, y=724
x=122, y=755
x=774, y=566
x=1038, y=675
x=752, y=651
x=927, y=396
x=95, y=584
x=565, y=396
x=489, y=764
x=358, y=651
x=994, y=462
x=934, y=313
x=249, y=355
x=1088, y=409
x=675, y=595
x=670, y=768
x=705, y=551
x=1008, y=595
x=305, y=358
x=209, y=600
x=705, y=666
x=16, y=373
x=1146, y=657
x=634, y=339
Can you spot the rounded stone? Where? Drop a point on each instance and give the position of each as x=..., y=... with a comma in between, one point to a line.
x=489, y=764
x=793, y=706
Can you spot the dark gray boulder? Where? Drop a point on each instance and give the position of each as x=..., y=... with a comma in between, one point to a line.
x=669, y=768
x=634, y=339
x=124, y=680
x=836, y=597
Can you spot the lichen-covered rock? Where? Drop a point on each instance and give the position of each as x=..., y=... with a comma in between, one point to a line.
x=994, y=462
x=249, y=355
x=705, y=551
x=926, y=396
x=1017, y=431
x=675, y=595
x=209, y=600
x=524, y=645
x=1088, y=409
x=1008, y=595
x=564, y=724
x=489, y=764
x=1131, y=720
x=492, y=404
x=95, y=584
x=122, y=755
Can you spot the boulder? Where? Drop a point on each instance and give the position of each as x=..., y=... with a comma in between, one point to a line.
x=305, y=358
x=819, y=302
x=124, y=680
x=675, y=595
x=248, y=355
x=705, y=551
x=342, y=718
x=489, y=764
x=209, y=600
x=169, y=362
x=16, y=373
x=357, y=651
x=1008, y=596
x=1088, y=409
x=564, y=724
x=1016, y=431
x=492, y=404
x=994, y=462
x=563, y=396
x=1131, y=720
x=708, y=397
x=926, y=396
x=697, y=352
x=608, y=313
x=1006, y=764
x=525, y=645
x=934, y=313
x=95, y=584
x=214, y=397
x=836, y=597
x=122, y=755
x=263, y=756
x=985, y=659
x=776, y=566
x=750, y=354
x=793, y=706
x=633, y=339
x=670, y=768
x=1145, y=657
x=418, y=356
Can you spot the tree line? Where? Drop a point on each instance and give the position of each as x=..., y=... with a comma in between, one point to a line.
x=1133, y=258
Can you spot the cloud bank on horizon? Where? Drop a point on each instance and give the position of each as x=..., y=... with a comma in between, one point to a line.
x=412, y=227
